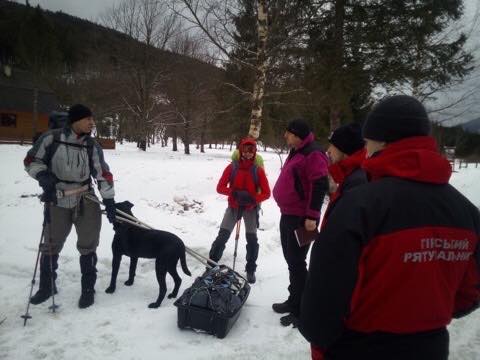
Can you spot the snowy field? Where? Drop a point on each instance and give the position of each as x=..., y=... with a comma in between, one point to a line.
x=120, y=326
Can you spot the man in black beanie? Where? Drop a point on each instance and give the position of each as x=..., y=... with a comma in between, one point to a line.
x=399, y=257
x=299, y=193
x=346, y=153
x=298, y=128
x=393, y=119
x=64, y=161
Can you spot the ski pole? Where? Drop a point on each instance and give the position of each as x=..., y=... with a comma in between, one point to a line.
x=237, y=235
x=27, y=316
x=53, y=307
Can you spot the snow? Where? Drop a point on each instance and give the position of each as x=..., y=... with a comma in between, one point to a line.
x=172, y=192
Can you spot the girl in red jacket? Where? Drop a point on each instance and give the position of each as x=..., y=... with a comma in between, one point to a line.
x=246, y=186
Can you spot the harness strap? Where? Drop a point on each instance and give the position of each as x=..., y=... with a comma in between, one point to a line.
x=63, y=193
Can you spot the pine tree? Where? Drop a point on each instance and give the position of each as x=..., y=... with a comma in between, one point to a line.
x=356, y=46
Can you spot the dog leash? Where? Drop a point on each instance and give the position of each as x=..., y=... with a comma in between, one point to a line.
x=132, y=220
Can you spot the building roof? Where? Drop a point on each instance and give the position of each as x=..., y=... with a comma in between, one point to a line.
x=16, y=93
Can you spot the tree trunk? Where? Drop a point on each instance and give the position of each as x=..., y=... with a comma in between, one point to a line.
x=334, y=118
x=142, y=145
x=336, y=86
x=174, y=139
x=165, y=138
x=186, y=137
x=261, y=70
x=203, y=130
x=35, y=113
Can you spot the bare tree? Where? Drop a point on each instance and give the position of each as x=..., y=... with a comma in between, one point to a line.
x=190, y=95
x=213, y=18
x=142, y=68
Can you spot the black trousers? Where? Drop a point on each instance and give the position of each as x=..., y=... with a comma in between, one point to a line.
x=295, y=257
x=428, y=345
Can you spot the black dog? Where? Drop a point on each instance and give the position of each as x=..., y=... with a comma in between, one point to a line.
x=166, y=248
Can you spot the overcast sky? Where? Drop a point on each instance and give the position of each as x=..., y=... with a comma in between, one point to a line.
x=85, y=9
x=92, y=9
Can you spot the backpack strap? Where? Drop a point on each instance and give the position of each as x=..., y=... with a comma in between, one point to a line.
x=253, y=169
x=234, y=171
x=52, y=148
x=309, y=148
x=305, y=151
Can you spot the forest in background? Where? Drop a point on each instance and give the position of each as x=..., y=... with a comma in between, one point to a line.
x=190, y=69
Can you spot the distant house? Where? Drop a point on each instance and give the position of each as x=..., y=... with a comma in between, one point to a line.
x=16, y=105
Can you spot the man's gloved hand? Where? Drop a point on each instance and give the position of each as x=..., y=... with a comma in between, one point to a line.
x=110, y=209
x=47, y=181
x=243, y=197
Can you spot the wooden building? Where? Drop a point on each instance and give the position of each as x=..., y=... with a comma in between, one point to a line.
x=17, y=102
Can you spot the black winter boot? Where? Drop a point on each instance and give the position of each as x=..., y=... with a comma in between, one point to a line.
x=89, y=276
x=288, y=320
x=252, y=252
x=282, y=308
x=216, y=251
x=251, y=257
x=45, y=288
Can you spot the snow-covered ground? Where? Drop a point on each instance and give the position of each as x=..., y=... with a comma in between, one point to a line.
x=120, y=326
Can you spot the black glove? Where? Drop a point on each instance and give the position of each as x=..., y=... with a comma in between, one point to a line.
x=110, y=209
x=47, y=181
x=243, y=198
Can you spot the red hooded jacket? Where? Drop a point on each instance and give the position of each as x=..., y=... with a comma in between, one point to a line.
x=398, y=255
x=244, y=179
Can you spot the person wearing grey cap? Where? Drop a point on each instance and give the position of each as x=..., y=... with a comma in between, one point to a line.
x=64, y=161
x=399, y=257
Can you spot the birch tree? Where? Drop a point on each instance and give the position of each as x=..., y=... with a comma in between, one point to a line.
x=214, y=19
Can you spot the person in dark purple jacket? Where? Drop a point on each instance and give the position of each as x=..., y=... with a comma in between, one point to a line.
x=299, y=193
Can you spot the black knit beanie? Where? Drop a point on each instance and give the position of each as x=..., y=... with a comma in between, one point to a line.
x=395, y=118
x=299, y=128
x=348, y=138
x=78, y=112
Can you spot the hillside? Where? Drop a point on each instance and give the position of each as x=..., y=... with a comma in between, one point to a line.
x=78, y=39
x=472, y=126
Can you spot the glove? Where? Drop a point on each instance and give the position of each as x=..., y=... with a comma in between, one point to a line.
x=243, y=198
x=110, y=209
x=47, y=181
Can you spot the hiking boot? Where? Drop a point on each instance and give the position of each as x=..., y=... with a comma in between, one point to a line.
x=251, y=277
x=46, y=275
x=288, y=320
x=86, y=299
x=89, y=276
x=41, y=296
x=282, y=308
x=218, y=246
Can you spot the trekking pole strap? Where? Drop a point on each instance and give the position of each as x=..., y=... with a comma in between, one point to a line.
x=62, y=193
x=134, y=221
